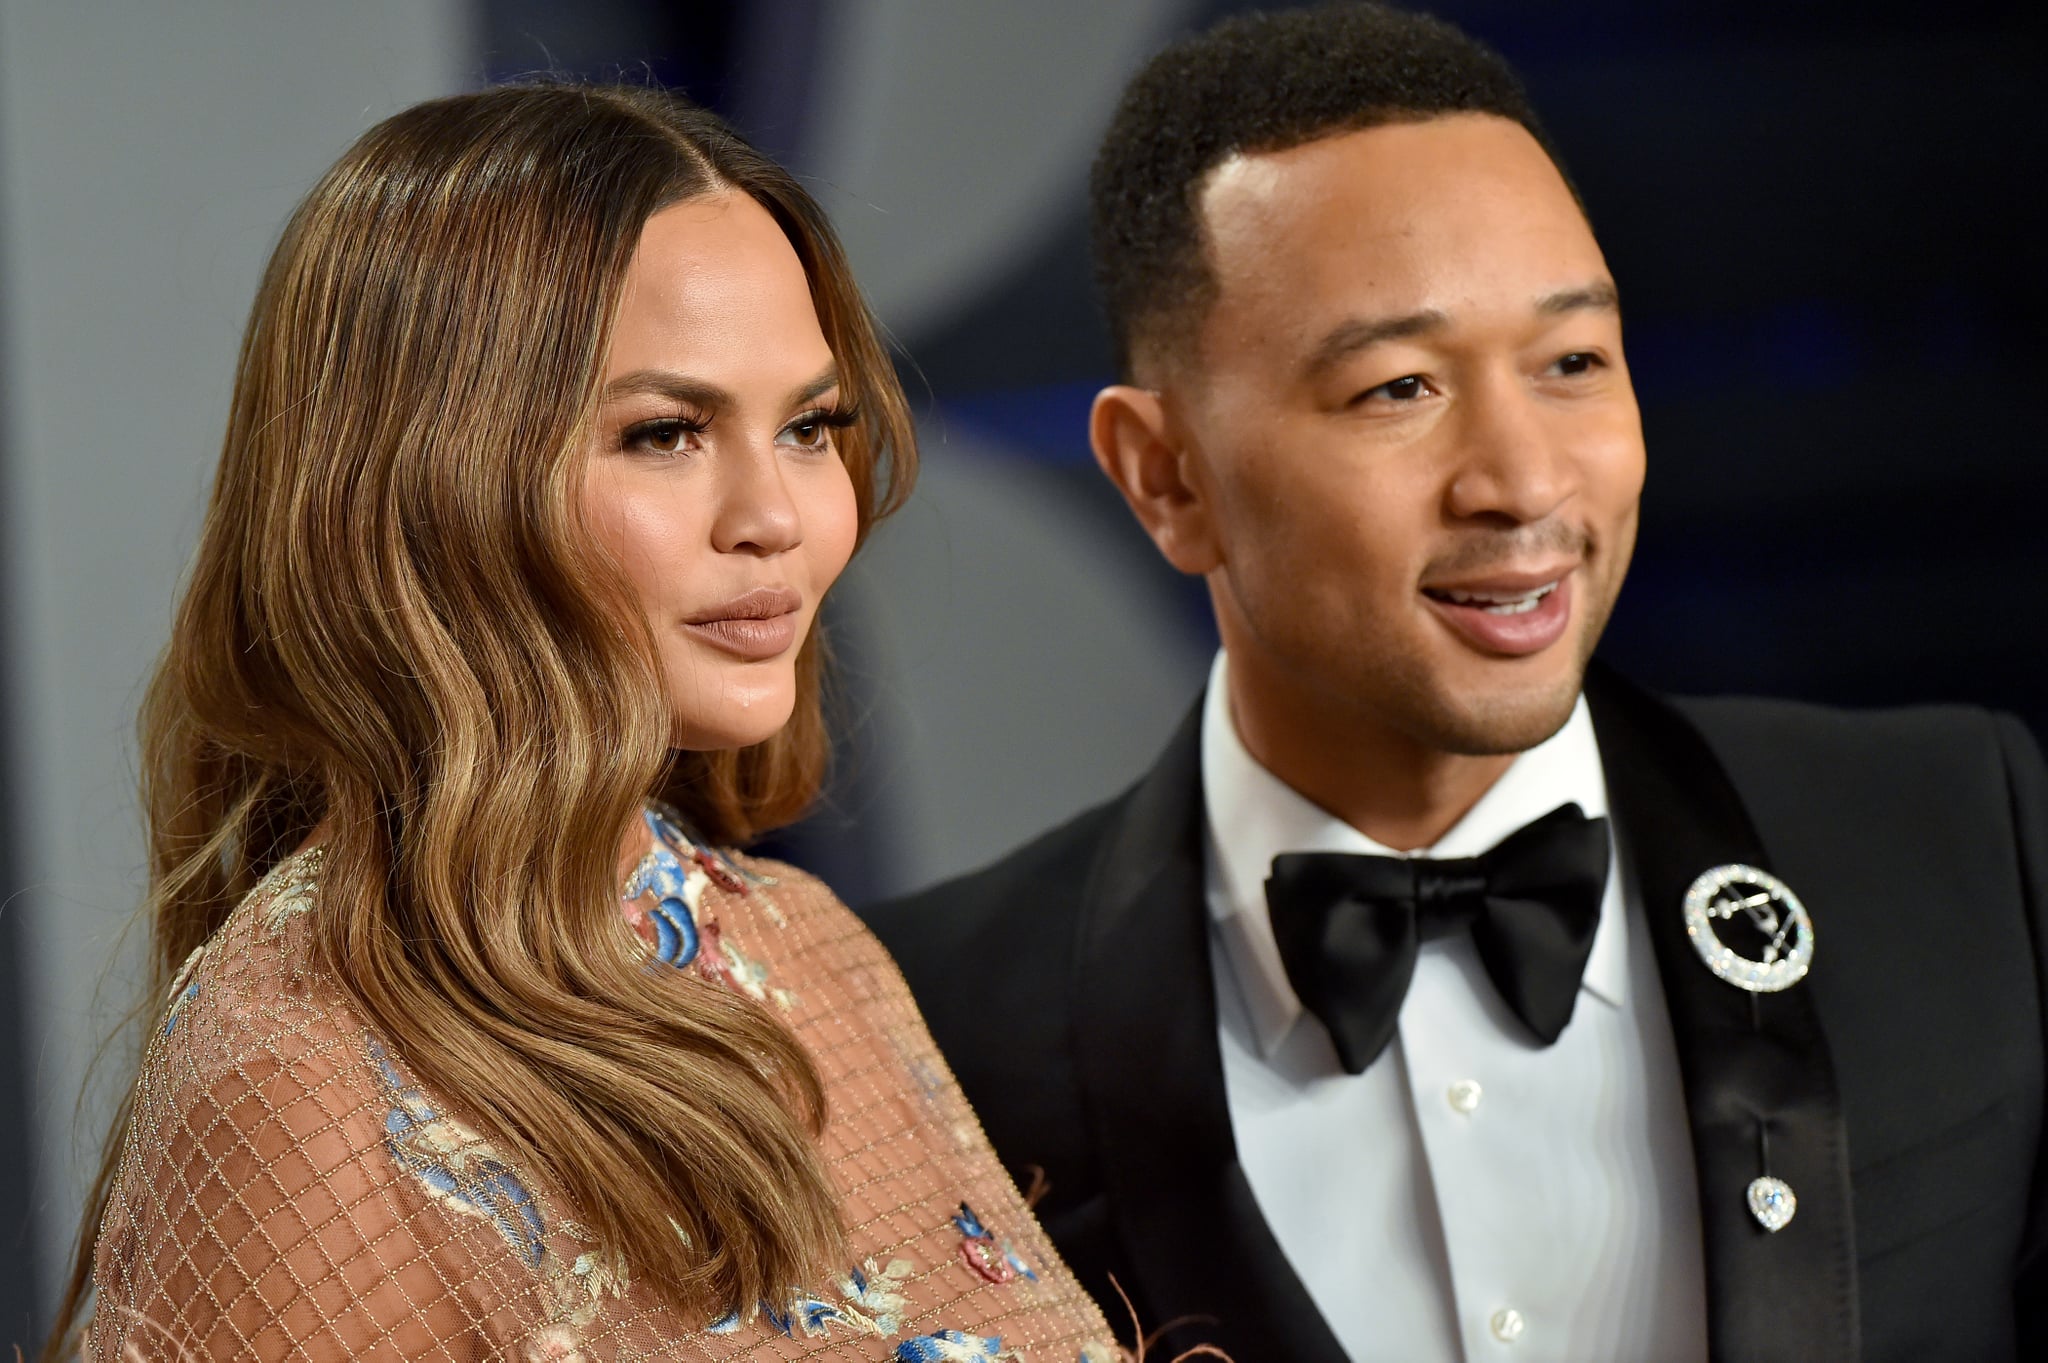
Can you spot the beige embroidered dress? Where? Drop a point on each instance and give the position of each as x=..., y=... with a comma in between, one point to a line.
x=289, y=1191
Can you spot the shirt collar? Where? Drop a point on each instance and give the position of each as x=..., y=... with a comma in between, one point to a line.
x=1254, y=816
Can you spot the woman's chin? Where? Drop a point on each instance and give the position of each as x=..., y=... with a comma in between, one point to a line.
x=738, y=721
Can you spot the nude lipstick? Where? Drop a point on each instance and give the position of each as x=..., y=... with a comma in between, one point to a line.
x=755, y=626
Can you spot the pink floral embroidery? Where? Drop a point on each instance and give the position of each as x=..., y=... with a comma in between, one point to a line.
x=992, y=1259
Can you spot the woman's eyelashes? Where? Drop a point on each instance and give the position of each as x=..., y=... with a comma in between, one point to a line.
x=663, y=435
x=669, y=436
x=813, y=430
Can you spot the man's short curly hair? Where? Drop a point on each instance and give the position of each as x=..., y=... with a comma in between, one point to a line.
x=1258, y=83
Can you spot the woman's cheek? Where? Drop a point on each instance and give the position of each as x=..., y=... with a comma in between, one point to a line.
x=832, y=525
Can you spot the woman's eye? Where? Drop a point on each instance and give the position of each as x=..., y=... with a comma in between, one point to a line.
x=813, y=430
x=669, y=435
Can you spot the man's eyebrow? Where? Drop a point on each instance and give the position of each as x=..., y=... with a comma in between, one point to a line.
x=683, y=389
x=1599, y=295
x=1362, y=333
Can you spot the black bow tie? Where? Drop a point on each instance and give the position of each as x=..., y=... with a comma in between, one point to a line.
x=1349, y=925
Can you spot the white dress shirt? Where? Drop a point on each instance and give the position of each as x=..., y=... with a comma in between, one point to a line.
x=1473, y=1195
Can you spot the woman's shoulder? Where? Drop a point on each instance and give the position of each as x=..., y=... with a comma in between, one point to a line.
x=252, y=987
x=256, y=1045
x=256, y=1057
x=279, y=1148
x=809, y=914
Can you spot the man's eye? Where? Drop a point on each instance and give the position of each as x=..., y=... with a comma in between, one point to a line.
x=1579, y=362
x=1401, y=390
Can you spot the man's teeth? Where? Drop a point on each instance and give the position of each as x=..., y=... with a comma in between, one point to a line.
x=1501, y=603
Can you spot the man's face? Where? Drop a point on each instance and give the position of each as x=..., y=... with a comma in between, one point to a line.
x=1409, y=416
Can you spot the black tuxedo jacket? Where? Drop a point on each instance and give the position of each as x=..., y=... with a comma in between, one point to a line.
x=1901, y=1082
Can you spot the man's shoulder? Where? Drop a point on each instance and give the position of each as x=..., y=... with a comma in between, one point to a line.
x=1908, y=749
x=1773, y=718
x=1925, y=795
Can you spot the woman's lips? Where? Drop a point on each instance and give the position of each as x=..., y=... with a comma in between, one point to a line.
x=756, y=625
x=1508, y=621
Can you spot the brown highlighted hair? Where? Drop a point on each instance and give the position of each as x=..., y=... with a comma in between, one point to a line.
x=398, y=628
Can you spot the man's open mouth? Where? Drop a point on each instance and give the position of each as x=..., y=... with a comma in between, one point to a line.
x=1494, y=603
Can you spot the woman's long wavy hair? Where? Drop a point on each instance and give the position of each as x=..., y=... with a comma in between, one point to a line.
x=399, y=629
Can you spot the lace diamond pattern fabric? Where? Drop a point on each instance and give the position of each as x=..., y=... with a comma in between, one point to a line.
x=289, y=1190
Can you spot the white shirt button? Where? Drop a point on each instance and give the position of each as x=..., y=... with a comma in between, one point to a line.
x=1465, y=1095
x=1508, y=1325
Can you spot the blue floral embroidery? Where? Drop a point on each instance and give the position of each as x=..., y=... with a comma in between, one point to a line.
x=994, y=1261
x=292, y=887
x=874, y=1298
x=779, y=1319
x=676, y=890
x=950, y=1346
x=190, y=992
x=677, y=932
x=457, y=1168
x=729, y=874
x=184, y=988
x=814, y=1315
x=873, y=1305
x=675, y=872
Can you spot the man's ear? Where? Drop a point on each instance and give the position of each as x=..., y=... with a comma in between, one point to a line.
x=1136, y=445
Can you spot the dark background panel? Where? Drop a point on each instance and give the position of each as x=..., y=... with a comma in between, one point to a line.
x=19, y=1279
x=753, y=62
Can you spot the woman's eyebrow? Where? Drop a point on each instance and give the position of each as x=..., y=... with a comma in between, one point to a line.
x=694, y=392
x=667, y=383
x=827, y=380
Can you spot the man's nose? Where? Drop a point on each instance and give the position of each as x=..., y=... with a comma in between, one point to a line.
x=1511, y=462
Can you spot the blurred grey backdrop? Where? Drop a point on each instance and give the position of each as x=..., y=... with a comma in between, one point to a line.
x=1817, y=210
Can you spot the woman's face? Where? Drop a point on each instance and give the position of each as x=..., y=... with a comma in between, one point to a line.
x=714, y=472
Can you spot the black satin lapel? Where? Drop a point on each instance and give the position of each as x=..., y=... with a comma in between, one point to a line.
x=1151, y=1068
x=1745, y=1058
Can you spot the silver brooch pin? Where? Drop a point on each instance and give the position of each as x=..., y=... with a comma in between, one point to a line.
x=1765, y=904
x=1771, y=1202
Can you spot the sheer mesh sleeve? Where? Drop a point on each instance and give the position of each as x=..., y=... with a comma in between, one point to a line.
x=264, y=1207
x=262, y=1224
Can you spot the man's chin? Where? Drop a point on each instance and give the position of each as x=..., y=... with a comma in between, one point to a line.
x=1498, y=720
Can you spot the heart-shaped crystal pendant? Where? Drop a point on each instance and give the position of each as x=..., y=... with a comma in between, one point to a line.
x=1771, y=1202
